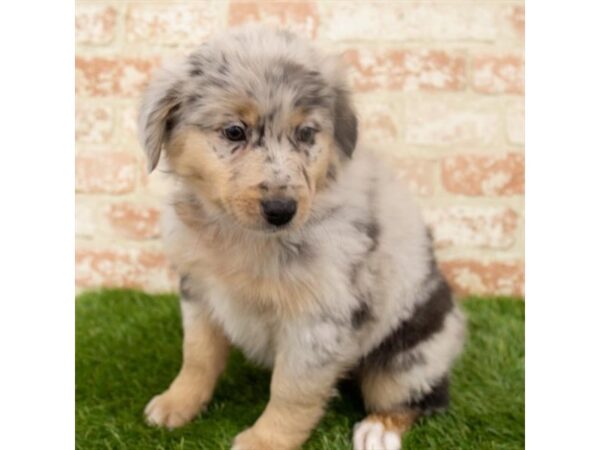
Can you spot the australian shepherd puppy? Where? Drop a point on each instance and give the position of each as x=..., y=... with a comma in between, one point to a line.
x=293, y=244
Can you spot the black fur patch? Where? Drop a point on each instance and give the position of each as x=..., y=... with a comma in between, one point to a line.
x=196, y=72
x=361, y=315
x=427, y=319
x=373, y=231
x=172, y=120
x=435, y=401
x=260, y=140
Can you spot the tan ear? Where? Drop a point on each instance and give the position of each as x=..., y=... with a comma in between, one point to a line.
x=160, y=102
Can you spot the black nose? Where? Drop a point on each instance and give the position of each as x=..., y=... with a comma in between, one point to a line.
x=278, y=212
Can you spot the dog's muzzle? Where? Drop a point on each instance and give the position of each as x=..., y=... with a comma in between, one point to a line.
x=278, y=212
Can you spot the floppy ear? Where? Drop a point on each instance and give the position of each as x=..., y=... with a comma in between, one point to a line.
x=160, y=102
x=345, y=122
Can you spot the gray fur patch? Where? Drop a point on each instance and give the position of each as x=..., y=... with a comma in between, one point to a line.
x=295, y=251
x=159, y=123
x=408, y=360
x=184, y=287
x=370, y=229
x=331, y=172
x=346, y=123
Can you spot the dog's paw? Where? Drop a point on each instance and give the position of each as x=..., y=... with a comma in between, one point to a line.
x=372, y=435
x=250, y=440
x=172, y=409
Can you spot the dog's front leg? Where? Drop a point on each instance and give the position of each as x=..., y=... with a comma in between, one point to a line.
x=205, y=351
x=303, y=381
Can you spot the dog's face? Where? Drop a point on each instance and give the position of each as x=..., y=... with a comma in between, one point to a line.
x=256, y=123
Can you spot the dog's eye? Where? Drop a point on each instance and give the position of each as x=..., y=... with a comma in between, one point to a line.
x=234, y=133
x=306, y=135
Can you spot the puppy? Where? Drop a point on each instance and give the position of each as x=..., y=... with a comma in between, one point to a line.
x=293, y=245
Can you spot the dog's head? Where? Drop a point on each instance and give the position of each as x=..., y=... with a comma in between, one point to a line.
x=256, y=122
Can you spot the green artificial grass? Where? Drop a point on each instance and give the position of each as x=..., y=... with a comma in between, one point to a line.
x=128, y=348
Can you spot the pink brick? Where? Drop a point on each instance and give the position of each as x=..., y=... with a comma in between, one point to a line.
x=106, y=172
x=123, y=266
x=512, y=23
x=471, y=277
x=87, y=223
x=378, y=123
x=484, y=175
x=93, y=123
x=406, y=70
x=440, y=121
x=499, y=74
x=134, y=220
x=406, y=21
x=95, y=24
x=515, y=122
x=472, y=226
x=178, y=24
x=128, y=116
x=301, y=17
x=112, y=76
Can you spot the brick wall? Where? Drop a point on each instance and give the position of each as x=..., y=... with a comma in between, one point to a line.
x=439, y=88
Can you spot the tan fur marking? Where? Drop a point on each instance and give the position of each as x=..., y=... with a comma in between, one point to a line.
x=248, y=113
x=382, y=391
x=400, y=422
x=190, y=156
x=294, y=409
x=205, y=351
x=330, y=157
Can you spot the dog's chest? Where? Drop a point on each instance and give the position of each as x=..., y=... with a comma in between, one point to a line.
x=253, y=332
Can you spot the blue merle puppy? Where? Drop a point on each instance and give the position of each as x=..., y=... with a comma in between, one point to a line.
x=293, y=245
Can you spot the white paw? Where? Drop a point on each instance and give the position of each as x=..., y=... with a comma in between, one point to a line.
x=170, y=410
x=371, y=435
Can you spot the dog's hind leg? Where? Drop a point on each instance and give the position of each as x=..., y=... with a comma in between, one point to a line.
x=400, y=386
x=205, y=351
x=393, y=410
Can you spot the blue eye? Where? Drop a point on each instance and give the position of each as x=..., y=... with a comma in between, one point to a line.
x=235, y=133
